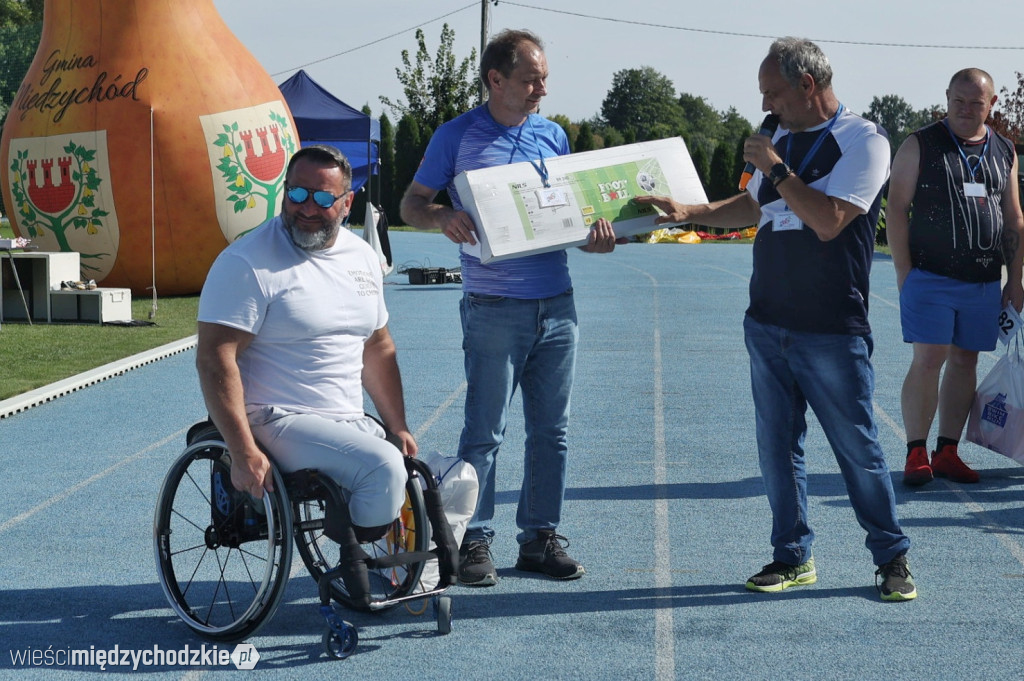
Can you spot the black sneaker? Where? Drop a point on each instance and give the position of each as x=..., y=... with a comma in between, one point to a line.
x=776, y=576
x=547, y=554
x=897, y=582
x=475, y=565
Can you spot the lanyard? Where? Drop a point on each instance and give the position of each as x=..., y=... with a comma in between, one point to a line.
x=539, y=166
x=972, y=169
x=817, y=143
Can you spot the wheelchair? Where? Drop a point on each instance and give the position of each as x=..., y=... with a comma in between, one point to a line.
x=224, y=557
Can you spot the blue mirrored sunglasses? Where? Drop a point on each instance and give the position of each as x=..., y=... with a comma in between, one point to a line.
x=320, y=197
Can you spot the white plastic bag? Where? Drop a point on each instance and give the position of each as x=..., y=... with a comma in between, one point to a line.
x=459, y=488
x=997, y=415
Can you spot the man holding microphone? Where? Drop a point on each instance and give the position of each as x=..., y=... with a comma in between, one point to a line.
x=815, y=195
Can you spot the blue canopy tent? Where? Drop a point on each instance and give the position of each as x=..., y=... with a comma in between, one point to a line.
x=322, y=118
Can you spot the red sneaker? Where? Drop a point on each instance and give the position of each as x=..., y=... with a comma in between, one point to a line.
x=917, y=471
x=947, y=464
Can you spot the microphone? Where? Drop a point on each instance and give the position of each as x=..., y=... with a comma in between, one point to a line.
x=768, y=128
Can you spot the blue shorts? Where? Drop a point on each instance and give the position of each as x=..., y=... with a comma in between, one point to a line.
x=943, y=311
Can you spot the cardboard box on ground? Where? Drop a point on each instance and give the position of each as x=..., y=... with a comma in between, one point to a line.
x=516, y=215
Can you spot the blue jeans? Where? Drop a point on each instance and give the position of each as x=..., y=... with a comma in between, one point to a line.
x=530, y=344
x=790, y=370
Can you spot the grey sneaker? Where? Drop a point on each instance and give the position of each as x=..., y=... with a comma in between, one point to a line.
x=475, y=565
x=776, y=576
x=547, y=554
x=897, y=582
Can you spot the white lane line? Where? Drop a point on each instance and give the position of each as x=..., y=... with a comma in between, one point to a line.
x=439, y=411
x=664, y=627
x=88, y=481
x=664, y=623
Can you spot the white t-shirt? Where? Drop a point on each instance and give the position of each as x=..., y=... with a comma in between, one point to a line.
x=311, y=313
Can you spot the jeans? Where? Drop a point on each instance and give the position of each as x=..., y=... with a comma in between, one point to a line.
x=790, y=370
x=529, y=344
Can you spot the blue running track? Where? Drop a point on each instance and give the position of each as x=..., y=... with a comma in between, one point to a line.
x=664, y=507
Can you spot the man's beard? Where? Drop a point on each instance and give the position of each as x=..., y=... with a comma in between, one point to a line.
x=311, y=241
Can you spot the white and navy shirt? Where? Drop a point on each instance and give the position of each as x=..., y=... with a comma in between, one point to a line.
x=800, y=282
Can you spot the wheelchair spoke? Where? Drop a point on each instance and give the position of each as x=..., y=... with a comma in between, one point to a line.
x=201, y=524
x=192, y=578
x=202, y=492
x=179, y=515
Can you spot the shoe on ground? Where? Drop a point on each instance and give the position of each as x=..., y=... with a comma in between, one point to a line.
x=546, y=554
x=947, y=464
x=776, y=576
x=475, y=565
x=917, y=471
x=897, y=582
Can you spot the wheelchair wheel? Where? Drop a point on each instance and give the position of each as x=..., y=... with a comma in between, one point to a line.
x=410, y=532
x=340, y=645
x=223, y=557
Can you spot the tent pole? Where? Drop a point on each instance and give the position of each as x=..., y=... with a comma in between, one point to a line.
x=152, y=210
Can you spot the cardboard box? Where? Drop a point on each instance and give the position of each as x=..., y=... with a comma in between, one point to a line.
x=516, y=215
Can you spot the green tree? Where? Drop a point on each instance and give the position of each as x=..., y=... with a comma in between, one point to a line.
x=408, y=152
x=20, y=29
x=642, y=105
x=389, y=194
x=739, y=163
x=20, y=12
x=734, y=126
x=701, y=162
x=701, y=124
x=610, y=137
x=898, y=118
x=722, y=177
x=585, y=138
x=564, y=123
x=435, y=89
x=1010, y=110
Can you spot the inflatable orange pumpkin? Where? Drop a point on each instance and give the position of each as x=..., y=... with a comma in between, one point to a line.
x=144, y=137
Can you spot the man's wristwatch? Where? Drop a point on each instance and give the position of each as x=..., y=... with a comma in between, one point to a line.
x=779, y=172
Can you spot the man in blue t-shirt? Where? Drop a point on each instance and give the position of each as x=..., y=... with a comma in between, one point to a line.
x=815, y=197
x=518, y=315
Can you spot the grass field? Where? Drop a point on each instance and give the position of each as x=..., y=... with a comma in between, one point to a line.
x=41, y=354
x=37, y=355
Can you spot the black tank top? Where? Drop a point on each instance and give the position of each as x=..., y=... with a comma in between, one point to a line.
x=951, y=234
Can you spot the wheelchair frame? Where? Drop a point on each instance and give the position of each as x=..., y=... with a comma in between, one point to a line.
x=224, y=558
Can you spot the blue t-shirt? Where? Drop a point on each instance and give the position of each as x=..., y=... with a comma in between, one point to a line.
x=475, y=140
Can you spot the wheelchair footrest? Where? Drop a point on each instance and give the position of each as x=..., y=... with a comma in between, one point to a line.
x=397, y=559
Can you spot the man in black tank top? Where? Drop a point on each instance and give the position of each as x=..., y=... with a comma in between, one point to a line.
x=953, y=222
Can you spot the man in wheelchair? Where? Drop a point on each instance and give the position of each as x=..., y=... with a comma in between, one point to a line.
x=292, y=328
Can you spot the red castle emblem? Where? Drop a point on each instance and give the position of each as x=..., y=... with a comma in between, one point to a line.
x=268, y=165
x=50, y=198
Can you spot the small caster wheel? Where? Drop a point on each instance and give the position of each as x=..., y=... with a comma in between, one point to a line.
x=443, y=610
x=341, y=644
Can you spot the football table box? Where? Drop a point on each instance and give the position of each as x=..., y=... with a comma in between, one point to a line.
x=517, y=215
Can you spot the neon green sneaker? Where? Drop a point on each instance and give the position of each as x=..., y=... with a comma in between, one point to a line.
x=897, y=582
x=776, y=576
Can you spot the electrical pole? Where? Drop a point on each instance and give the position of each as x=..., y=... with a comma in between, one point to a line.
x=485, y=21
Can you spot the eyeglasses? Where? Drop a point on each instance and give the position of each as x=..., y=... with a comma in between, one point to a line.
x=320, y=197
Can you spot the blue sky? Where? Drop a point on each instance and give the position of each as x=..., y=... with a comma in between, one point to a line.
x=710, y=49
